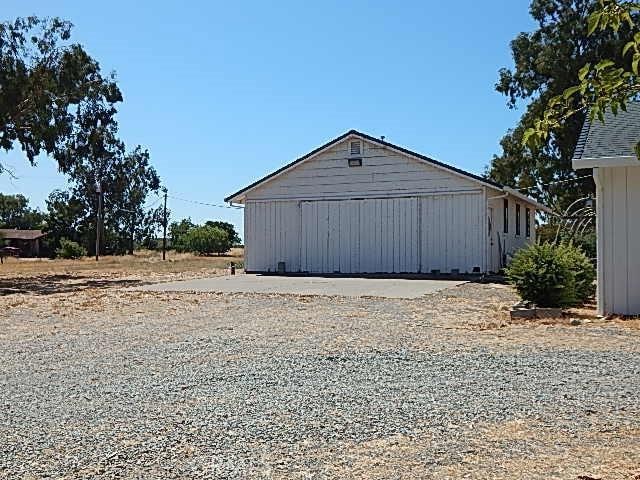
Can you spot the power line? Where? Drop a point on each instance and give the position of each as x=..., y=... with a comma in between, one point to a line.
x=235, y=207
x=555, y=183
x=153, y=204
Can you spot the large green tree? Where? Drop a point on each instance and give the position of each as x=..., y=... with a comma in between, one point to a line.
x=55, y=100
x=234, y=238
x=66, y=218
x=607, y=83
x=546, y=62
x=47, y=84
x=178, y=232
x=126, y=181
x=16, y=213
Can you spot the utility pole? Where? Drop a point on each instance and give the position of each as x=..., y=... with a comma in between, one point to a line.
x=164, y=224
x=98, y=219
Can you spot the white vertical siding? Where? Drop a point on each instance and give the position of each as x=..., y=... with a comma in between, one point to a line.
x=360, y=236
x=382, y=235
x=394, y=214
x=452, y=233
x=618, y=206
x=272, y=235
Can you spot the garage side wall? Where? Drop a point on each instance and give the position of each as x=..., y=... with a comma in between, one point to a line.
x=618, y=203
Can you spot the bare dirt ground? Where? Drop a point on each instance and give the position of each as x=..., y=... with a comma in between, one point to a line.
x=98, y=381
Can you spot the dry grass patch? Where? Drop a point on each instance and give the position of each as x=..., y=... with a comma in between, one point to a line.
x=143, y=261
x=44, y=276
x=523, y=448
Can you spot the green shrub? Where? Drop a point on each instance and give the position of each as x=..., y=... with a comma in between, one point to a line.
x=583, y=269
x=70, y=249
x=552, y=276
x=206, y=240
x=587, y=243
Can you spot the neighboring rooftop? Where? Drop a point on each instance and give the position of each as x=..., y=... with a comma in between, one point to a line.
x=15, y=234
x=616, y=137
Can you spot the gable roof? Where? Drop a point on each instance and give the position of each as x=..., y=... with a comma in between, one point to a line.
x=405, y=151
x=615, y=138
x=15, y=234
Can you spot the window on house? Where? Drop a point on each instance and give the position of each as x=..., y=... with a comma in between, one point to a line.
x=518, y=219
x=527, y=218
x=355, y=147
x=355, y=162
x=506, y=215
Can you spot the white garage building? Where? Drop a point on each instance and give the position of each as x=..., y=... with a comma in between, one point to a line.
x=359, y=204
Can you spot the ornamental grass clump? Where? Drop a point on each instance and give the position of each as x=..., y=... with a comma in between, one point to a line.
x=552, y=275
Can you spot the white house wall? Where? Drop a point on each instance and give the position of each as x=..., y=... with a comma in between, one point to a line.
x=383, y=173
x=618, y=206
x=508, y=244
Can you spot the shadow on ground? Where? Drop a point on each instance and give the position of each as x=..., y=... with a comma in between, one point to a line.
x=51, y=284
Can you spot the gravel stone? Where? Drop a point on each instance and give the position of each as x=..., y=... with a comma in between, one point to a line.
x=116, y=384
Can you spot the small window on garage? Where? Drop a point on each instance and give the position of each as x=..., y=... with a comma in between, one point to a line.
x=527, y=219
x=355, y=147
x=355, y=162
x=517, y=219
x=506, y=215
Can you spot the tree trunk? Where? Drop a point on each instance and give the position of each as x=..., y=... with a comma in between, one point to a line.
x=132, y=235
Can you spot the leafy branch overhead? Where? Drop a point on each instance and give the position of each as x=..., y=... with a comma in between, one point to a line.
x=46, y=82
x=602, y=86
x=546, y=61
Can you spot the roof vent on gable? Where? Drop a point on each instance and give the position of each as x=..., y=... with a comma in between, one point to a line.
x=355, y=147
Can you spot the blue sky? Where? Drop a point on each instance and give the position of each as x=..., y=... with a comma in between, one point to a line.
x=222, y=93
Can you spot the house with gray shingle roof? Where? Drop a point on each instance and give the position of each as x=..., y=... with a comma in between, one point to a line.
x=609, y=149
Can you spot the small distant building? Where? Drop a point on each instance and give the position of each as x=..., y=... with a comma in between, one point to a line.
x=609, y=149
x=28, y=241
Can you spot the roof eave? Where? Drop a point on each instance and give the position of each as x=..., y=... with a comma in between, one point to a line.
x=621, y=161
x=525, y=198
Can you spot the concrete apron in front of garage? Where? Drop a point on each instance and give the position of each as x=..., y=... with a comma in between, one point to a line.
x=339, y=286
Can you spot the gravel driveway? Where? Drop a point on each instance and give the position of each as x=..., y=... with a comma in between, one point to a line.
x=122, y=384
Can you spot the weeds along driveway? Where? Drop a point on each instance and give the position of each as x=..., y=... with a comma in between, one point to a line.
x=112, y=383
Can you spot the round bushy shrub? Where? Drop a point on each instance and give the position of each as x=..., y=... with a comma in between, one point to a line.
x=70, y=249
x=583, y=269
x=207, y=240
x=552, y=276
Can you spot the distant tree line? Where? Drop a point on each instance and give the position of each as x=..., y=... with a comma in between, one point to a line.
x=71, y=217
x=211, y=237
x=70, y=227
